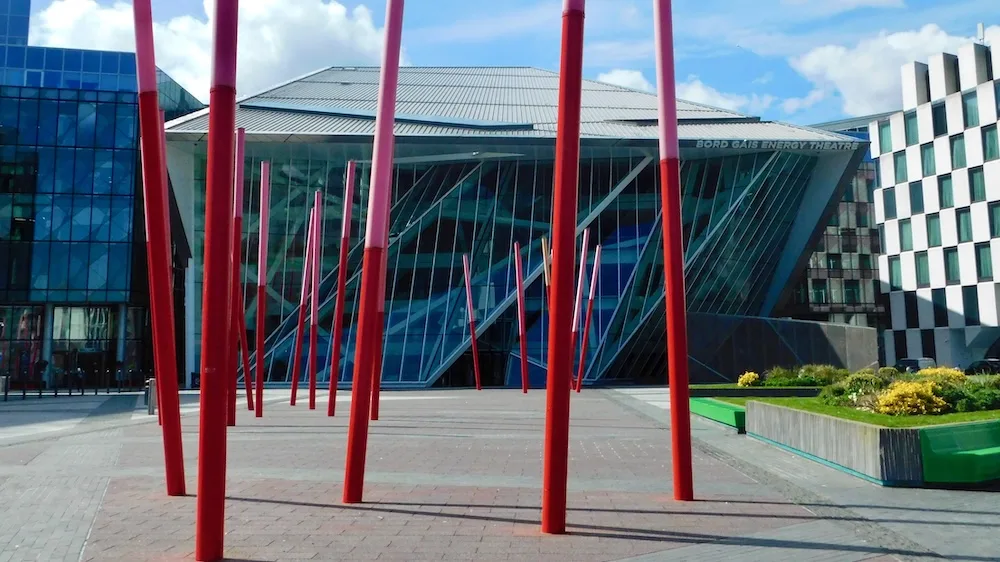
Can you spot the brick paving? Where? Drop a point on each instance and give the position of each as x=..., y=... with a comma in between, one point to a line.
x=452, y=475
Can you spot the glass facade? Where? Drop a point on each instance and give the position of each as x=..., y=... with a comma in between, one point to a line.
x=72, y=256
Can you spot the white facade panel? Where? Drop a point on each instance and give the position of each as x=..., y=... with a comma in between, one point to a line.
x=967, y=263
x=935, y=256
x=925, y=308
x=897, y=310
x=916, y=89
x=932, y=202
x=949, y=228
x=898, y=130
x=987, y=304
x=942, y=155
x=974, y=147
x=913, y=347
x=909, y=268
x=892, y=237
x=956, y=120
x=960, y=188
x=973, y=67
x=925, y=124
x=980, y=222
x=956, y=311
x=918, y=226
x=942, y=75
x=987, y=101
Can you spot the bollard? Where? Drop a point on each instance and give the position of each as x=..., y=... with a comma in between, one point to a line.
x=5, y=381
x=151, y=397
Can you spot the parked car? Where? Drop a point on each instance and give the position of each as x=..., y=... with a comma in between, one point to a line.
x=984, y=367
x=914, y=365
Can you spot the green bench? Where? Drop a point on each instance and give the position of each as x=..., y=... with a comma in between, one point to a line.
x=961, y=454
x=722, y=412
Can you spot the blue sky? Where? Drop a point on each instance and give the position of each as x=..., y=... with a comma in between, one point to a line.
x=803, y=61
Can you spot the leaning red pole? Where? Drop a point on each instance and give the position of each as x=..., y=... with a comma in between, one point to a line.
x=472, y=320
x=673, y=255
x=579, y=292
x=239, y=299
x=166, y=186
x=586, y=322
x=560, y=364
x=303, y=299
x=210, y=515
x=158, y=252
x=376, y=234
x=521, y=320
x=338, y=311
x=262, y=232
x=379, y=335
x=314, y=301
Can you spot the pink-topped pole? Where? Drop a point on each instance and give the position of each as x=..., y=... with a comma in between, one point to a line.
x=586, y=322
x=375, y=236
x=239, y=314
x=338, y=311
x=521, y=318
x=303, y=300
x=210, y=512
x=555, y=469
x=380, y=333
x=166, y=205
x=158, y=249
x=262, y=232
x=317, y=234
x=472, y=320
x=673, y=255
x=579, y=292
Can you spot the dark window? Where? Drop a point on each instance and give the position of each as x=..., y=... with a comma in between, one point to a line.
x=864, y=220
x=834, y=219
x=864, y=261
x=940, y=117
x=970, y=305
x=927, y=343
x=946, y=195
x=970, y=110
x=977, y=184
x=896, y=274
x=984, y=262
x=852, y=291
x=899, y=341
x=940, y=300
x=833, y=261
x=905, y=235
x=933, y=230
x=923, y=270
x=910, y=128
x=819, y=291
x=884, y=137
x=889, y=202
x=927, y=163
x=910, y=303
x=899, y=163
x=964, y=219
x=916, y=198
x=994, y=220
x=957, y=152
x=952, y=273
x=991, y=144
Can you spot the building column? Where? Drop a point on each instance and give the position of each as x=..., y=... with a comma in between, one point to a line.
x=122, y=332
x=47, y=321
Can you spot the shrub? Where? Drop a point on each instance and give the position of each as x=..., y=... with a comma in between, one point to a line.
x=791, y=381
x=779, y=373
x=835, y=395
x=888, y=373
x=978, y=398
x=865, y=371
x=907, y=398
x=863, y=383
x=944, y=375
x=748, y=379
x=823, y=374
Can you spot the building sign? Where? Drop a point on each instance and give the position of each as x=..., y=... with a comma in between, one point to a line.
x=773, y=145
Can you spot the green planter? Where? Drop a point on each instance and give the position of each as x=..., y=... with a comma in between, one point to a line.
x=728, y=414
x=967, y=453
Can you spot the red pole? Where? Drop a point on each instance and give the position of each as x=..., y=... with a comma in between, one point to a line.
x=158, y=249
x=303, y=299
x=376, y=235
x=560, y=365
x=314, y=307
x=166, y=186
x=380, y=339
x=579, y=294
x=338, y=311
x=262, y=232
x=586, y=323
x=239, y=299
x=210, y=517
x=521, y=321
x=472, y=319
x=673, y=255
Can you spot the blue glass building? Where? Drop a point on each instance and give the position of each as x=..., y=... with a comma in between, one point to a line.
x=474, y=155
x=72, y=256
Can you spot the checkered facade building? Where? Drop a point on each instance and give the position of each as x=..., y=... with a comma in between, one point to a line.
x=938, y=209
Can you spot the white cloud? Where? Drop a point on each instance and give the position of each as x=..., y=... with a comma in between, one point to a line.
x=866, y=76
x=278, y=40
x=695, y=90
x=627, y=79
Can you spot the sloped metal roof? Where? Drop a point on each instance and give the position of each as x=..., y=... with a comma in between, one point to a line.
x=322, y=104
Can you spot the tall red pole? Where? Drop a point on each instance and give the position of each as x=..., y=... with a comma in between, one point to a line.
x=521, y=319
x=579, y=293
x=380, y=335
x=472, y=320
x=158, y=252
x=560, y=365
x=239, y=301
x=673, y=255
x=376, y=234
x=262, y=232
x=166, y=187
x=303, y=299
x=317, y=234
x=586, y=323
x=210, y=516
x=338, y=311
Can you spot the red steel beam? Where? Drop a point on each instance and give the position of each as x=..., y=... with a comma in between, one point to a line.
x=210, y=511
x=303, y=300
x=521, y=320
x=158, y=253
x=470, y=306
x=262, y=235
x=673, y=255
x=560, y=361
x=586, y=322
x=317, y=233
x=338, y=311
x=240, y=300
x=579, y=292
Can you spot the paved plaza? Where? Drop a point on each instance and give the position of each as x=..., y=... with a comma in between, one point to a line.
x=454, y=475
